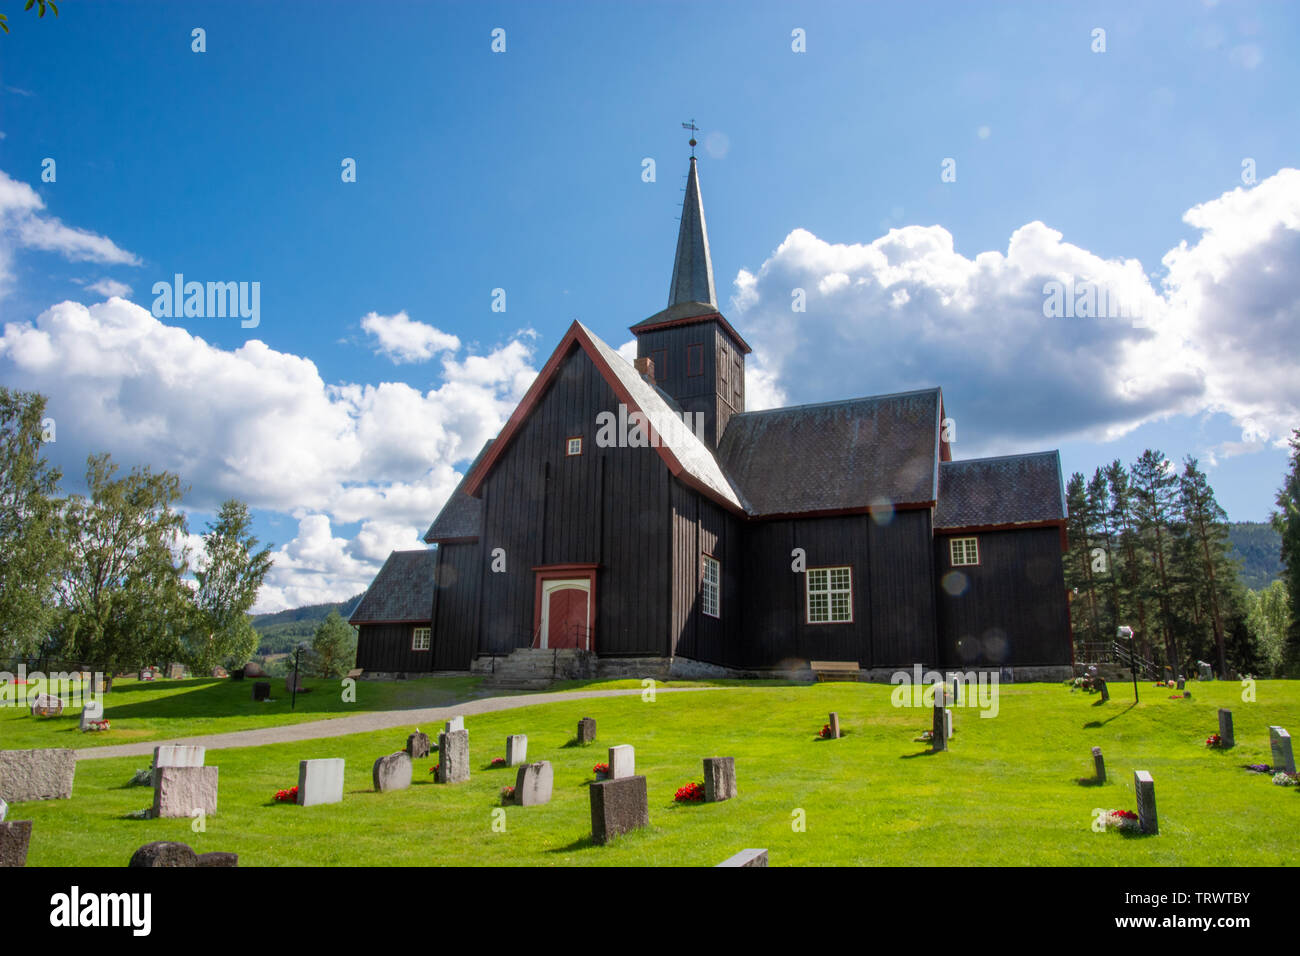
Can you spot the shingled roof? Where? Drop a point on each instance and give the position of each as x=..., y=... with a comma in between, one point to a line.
x=1011, y=490
x=461, y=514
x=835, y=456
x=402, y=591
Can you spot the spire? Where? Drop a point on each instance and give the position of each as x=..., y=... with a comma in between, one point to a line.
x=692, y=269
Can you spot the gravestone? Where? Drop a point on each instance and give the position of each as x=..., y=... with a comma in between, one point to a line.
x=1182, y=682
x=516, y=749
x=1098, y=765
x=179, y=791
x=835, y=725
x=947, y=721
x=175, y=671
x=98, y=684
x=262, y=690
x=93, y=710
x=15, y=838
x=1105, y=690
x=622, y=762
x=392, y=772
x=939, y=730
x=163, y=853
x=47, y=705
x=177, y=755
x=1226, y=738
x=219, y=672
x=453, y=756
x=456, y=723
x=586, y=730
x=417, y=745
x=1206, y=672
x=746, y=858
x=534, y=783
x=37, y=774
x=617, y=807
x=293, y=682
x=254, y=669
x=1283, y=759
x=320, y=781
x=217, y=859
x=147, y=674
x=719, y=778
x=4, y=811
x=1145, y=788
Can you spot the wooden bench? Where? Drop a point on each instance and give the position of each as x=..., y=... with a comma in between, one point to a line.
x=835, y=670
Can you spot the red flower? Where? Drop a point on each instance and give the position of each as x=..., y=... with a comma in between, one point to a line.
x=287, y=796
x=825, y=731
x=434, y=768
x=691, y=793
x=498, y=761
x=600, y=768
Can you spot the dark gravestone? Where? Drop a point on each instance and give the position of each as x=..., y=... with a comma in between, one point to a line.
x=237, y=675
x=15, y=837
x=417, y=745
x=617, y=807
x=835, y=725
x=939, y=731
x=1182, y=683
x=163, y=853
x=586, y=730
x=1105, y=691
x=1145, y=788
x=1226, y=739
x=719, y=778
x=1098, y=765
x=218, y=859
x=262, y=690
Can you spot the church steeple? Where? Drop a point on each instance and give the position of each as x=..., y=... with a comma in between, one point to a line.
x=692, y=269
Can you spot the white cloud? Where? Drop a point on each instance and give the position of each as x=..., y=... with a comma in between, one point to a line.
x=109, y=288
x=404, y=340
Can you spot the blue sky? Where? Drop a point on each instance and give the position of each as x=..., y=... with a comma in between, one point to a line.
x=522, y=170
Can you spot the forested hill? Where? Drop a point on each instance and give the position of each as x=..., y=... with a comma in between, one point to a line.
x=281, y=630
x=1260, y=548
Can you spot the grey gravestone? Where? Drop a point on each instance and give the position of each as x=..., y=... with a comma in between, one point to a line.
x=320, y=781
x=1105, y=691
x=37, y=774
x=617, y=807
x=516, y=749
x=293, y=682
x=254, y=669
x=1206, y=673
x=947, y=722
x=4, y=811
x=1226, y=738
x=939, y=730
x=1098, y=765
x=1145, y=788
x=262, y=690
x=47, y=705
x=586, y=730
x=835, y=725
x=719, y=778
x=219, y=672
x=217, y=860
x=534, y=783
x=147, y=674
x=1283, y=759
x=746, y=858
x=163, y=853
x=175, y=671
x=453, y=756
x=392, y=772
x=15, y=838
x=417, y=745
x=179, y=791
x=622, y=762
x=177, y=755
x=93, y=710
x=456, y=723
x=1182, y=683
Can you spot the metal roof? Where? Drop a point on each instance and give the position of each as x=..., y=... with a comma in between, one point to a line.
x=402, y=591
x=1010, y=490
x=459, y=517
x=692, y=269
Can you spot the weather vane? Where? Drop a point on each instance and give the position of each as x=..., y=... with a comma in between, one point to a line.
x=694, y=129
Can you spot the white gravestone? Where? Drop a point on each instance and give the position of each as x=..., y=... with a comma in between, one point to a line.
x=320, y=781
x=1283, y=758
x=176, y=755
x=622, y=762
x=516, y=750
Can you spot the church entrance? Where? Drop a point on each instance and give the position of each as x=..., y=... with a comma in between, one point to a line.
x=564, y=616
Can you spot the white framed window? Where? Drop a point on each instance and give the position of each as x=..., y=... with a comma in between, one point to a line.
x=711, y=587
x=574, y=447
x=830, y=595
x=964, y=551
x=420, y=639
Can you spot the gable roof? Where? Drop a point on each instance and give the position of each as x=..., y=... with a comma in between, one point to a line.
x=852, y=456
x=460, y=516
x=402, y=591
x=1006, y=491
x=685, y=454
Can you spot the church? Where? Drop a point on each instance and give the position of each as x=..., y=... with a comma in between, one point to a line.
x=633, y=519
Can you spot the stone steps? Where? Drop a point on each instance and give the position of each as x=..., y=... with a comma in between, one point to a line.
x=531, y=668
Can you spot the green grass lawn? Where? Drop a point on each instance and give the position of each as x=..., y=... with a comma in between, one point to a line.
x=142, y=711
x=1007, y=793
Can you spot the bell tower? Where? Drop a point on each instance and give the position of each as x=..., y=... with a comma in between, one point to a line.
x=699, y=359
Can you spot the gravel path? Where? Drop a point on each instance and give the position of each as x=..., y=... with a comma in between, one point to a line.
x=431, y=717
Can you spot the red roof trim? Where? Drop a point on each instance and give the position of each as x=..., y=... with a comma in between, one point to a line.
x=693, y=320
x=1012, y=526
x=380, y=620
x=839, y=512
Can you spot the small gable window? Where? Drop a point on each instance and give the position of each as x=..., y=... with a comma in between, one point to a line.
x=711, y=588
x=574, y=447
x=694, y=360
x=965, y=551
x=830, y=595
x=420, y=639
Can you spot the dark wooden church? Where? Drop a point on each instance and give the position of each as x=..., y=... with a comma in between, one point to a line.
x=639, y=520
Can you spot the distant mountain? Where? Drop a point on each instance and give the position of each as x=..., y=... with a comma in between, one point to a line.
x=1260, y=549
x=283, y=629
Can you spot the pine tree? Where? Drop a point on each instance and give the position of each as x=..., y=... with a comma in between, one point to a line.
x=1153, y=506
x=1132, y=602
x=1287, y=521
x=1207, y=529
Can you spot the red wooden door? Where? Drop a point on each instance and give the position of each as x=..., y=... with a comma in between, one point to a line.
x=566, y=618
